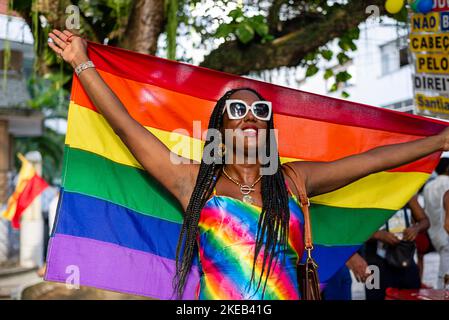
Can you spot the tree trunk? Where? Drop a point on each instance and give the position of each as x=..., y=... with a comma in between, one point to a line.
x=146, y=23
x=289, y=48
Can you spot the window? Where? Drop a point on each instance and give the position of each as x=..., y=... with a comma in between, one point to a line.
x=404, y=106
x=15, y=62
x=403, y=57
x=394, y=55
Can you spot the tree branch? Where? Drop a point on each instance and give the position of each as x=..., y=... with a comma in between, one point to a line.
x=273, y=16
x=289, y=49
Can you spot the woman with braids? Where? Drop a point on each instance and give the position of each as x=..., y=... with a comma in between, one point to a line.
x=246, y=225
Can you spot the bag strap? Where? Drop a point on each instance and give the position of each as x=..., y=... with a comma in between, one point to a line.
x=406, y=217
x=305, y=204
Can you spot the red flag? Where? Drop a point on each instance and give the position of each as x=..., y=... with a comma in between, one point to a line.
x=29, y=186
x=34, y=188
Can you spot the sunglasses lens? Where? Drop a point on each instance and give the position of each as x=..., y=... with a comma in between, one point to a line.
x=237, y=109
x=261, y=110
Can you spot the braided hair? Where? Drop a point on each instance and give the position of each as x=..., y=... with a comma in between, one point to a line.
x=272, y=229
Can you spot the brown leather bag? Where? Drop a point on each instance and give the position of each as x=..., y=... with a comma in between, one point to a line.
x=309, y=284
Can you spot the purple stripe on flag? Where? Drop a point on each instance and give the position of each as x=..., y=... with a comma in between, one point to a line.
x=111, y=267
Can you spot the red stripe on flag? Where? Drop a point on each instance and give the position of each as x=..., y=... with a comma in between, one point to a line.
x=210, y=85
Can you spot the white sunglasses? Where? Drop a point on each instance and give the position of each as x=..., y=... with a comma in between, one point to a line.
x=238, y=109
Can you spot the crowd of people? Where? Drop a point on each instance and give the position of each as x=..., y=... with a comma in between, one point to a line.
x=397, y=249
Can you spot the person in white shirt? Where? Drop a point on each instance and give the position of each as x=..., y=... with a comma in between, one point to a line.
x=434, y=193
x=446, y=227
x=446, y=208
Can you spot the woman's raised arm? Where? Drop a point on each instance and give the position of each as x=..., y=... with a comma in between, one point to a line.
x=323, y=177
x=151, y=153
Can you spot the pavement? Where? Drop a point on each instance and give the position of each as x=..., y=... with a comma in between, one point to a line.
x=24, y=283
x=14, y=279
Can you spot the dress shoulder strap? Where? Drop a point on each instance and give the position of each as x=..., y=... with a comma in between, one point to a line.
x=214, y=191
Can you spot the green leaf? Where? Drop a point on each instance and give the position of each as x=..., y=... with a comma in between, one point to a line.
x=342, y=58
x=224, y=30
x=259, y=25
x=310, y=56
x=328, y=74
x=343, y=76
x=344, y=45
x=236, y=13
x=267, y=38
x=311, y=70
x=346, y=42
x=347, y=45
x=334, y=87
x=258, y=19
x=353, y=33
x=344, y=94
x=244, y=33
x=327, y=54
x=261, y=28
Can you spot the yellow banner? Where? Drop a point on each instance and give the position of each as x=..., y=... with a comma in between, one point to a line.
x=438, y=42
x=435, y=63
x=429, y=22
x=432, y=104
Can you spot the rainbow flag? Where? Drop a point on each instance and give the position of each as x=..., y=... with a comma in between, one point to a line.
x=119, y=227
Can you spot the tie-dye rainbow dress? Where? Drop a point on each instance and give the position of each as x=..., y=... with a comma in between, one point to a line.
x=227, y=238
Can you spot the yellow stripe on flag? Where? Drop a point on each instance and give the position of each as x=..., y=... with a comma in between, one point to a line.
x=89, y=131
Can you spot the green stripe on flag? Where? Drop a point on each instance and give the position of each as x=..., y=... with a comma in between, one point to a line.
x=95, y=176
x=345, y=226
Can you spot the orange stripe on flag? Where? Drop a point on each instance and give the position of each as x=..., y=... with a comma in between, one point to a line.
x=300, y=138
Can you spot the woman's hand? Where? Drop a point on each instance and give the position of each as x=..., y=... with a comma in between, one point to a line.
x=359, y=267
x=411, y=233
x=151, y=153
x=71, y=48
x=386, y=237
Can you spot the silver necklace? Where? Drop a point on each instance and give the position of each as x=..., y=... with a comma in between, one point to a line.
x=244, y=188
